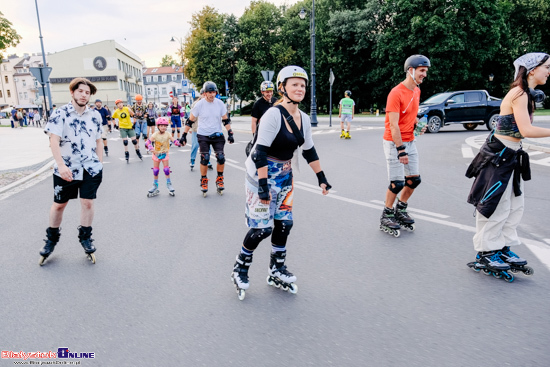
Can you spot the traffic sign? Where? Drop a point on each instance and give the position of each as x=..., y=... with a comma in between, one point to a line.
x=268, y=75
x=184, y=83
x=41, y=74
x=331, y=77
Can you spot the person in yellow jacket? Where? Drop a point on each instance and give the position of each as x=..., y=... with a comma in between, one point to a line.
x=124, y=116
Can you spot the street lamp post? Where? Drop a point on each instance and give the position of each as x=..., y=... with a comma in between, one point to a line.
x=181, y=54
x=47, y=82
x=491, y=78
x=313, y=113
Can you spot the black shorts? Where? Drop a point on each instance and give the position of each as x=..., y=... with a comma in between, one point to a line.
x=150, y=121
x=205, y=142
x=64, y=191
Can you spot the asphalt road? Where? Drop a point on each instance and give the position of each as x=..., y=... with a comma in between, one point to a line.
x=160, y=293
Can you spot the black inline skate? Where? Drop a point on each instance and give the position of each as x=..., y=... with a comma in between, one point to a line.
x=402, y=217
x=388, y=222
x=279, y=276
x=106, y=149
x=139, y=154
x=516, y=263
x=492, y=264
x=127, y=156
x=52, y=238
x=85, y=237
x=239, y=276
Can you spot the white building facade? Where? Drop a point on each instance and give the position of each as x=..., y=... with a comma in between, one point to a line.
x=8, y=91
x=160, y=81
x=114, y=70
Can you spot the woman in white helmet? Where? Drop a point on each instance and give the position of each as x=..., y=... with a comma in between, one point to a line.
x=269, y=186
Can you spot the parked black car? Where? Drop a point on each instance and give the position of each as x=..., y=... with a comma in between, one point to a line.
x=469, y=108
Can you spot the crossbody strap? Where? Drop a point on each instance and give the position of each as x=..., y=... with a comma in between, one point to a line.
x=292, y=124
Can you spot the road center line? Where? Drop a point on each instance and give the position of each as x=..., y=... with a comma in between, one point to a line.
x=539, y=249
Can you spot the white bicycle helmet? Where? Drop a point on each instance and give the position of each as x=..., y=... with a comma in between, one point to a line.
x=291, y=71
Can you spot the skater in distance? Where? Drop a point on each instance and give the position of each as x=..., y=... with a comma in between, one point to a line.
x=500, y=168
x=212, y=113
x=269, y=180
x=400, y=146
x=76, y=144
x=124, y=116
x=159, y=144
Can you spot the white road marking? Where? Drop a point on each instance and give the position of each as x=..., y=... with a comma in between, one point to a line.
x=478, y=140
x=539, y=249
x=300, y=183
x=437, y=215
x=184, y=150
x=231, y=160
x=534, y=152
x=467, y=151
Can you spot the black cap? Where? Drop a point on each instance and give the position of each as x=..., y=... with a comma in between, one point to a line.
x=97, y=100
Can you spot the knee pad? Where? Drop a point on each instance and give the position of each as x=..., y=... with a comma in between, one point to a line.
x=412, y=182
x=156, y=172
x=178, y=130
x=281, y=231
x=104, y=139
x=220, y=158
x=205, y=158
x=255, y=236
x=125, y=142
x=167, y=171
x=396, y=186
x=134, y=141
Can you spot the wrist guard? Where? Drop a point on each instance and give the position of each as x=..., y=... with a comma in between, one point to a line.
x=402, y=154
x=263, y=189
x=402, y=147
x=323, y=180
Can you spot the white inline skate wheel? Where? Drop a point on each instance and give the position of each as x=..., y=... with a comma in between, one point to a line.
x=396, y=233
x=91, y=257
x=42, y=260
x=241, y=293
x=293, y=289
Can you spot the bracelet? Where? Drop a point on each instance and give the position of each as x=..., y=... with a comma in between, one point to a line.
x=402, y=147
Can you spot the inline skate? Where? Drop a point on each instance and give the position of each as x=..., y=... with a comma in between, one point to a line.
x=106, y=149
x=402, y=217
x=204, y=185
x=343, y=134
x=52, y=238
x=139, y=154
x=219, y=184
x=516, y=263
x=127, y=156
x=239, y=276
x=153, y=191
x=85, y=237
x=492, y=264
x=348, y=136
x=279, y=276
x=192, y=164
x=388, y=222
x=171, y=190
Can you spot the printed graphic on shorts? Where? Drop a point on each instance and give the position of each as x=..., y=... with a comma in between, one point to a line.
x=57, y=192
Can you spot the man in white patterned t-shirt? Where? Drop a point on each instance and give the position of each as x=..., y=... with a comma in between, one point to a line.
x=76, y=144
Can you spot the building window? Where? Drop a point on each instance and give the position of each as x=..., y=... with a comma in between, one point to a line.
x=120, y=84
x=24, y=83
x=174, y=78
x=26, y=95
x=179, y=92
x=155, y=78
x=6, y=79
x=9, y=93
x=163, y=91
x=148, y=91
x=164, y=78
x=119, y=66
x=154, y=70
x=1, y=96
x=148, y=79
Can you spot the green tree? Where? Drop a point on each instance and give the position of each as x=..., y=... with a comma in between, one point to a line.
x=261, y=47
x=168, y=60
x=8, y=35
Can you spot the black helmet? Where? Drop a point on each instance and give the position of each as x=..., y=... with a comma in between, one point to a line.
x=348, y=93
x=210, y=87
x=415, y=61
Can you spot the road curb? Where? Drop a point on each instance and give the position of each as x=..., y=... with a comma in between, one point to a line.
x=27, y=178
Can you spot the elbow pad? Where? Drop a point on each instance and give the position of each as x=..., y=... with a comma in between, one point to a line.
x=226, y=121
x=259, y=156
x=310, y=155
x=189, y=123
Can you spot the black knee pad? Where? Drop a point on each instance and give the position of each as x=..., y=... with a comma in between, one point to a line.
x=413, y=182
x=134, y=141
x=281, y=231
x=205, y=158
x=396, y=186
x=255, y=236
x=104, y=139
x=220, y=158
x=178, y=130
x=125, y=142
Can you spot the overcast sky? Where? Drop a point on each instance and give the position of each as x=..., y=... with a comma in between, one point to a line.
x=142, y=26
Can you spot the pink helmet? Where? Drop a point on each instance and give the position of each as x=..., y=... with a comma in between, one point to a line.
x=162, y=121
